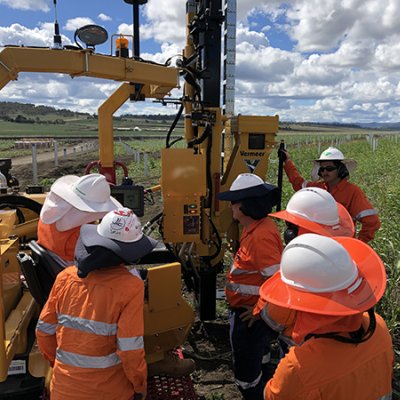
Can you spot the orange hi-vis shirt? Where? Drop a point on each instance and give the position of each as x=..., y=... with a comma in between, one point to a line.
x=347, y=194
x=91, y=330
x=61, y=243
x=280, y=319
x=325, y=369
x=256, y=260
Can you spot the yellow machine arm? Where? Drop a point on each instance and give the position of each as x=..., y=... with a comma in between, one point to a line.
x=144, y=79
x=158, y=79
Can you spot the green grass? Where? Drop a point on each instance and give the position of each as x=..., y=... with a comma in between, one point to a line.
x=377, y=174
x=84, y=126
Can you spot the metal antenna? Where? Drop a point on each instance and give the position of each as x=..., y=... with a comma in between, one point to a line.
x=57, y=37
x=136, y=37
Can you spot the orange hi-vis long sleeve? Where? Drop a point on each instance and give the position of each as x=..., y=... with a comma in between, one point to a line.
x=347, y=194
x=61, y=243
x=327, y=369
x=91, y=330
x=256, y=260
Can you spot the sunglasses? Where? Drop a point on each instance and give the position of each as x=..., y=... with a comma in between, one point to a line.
x=329, y=168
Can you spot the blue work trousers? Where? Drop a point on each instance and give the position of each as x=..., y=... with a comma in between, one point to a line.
x=251, y=355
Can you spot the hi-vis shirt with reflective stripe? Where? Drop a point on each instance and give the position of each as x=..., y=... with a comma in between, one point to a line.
x=347, y=194
x=96, y=328
x=91, y=330
x=256, y=260
x=332, y=370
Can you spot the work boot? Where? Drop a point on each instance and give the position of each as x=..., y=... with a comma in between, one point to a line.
x=172, y=365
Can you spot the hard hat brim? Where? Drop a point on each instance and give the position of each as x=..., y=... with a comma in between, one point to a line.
x=62, y=187
x=254, y=191
x=345, y=227
x=365, y=296
x=130, y=252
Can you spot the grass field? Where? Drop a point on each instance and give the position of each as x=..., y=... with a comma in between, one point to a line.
x=377, y=174
x=85, y=126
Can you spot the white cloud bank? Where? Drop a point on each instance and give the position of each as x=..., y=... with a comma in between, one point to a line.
x=341, y=62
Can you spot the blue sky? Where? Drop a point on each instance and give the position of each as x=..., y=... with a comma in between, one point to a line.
x=305, y=60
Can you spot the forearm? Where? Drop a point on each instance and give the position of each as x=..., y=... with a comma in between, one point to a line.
x=293, y=175
x=369, y=226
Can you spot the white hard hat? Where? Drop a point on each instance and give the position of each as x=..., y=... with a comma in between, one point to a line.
x=246, y=181
x=317, y=264
x=248, y=185
x=332, y=154
x=89, y=193
x=316, y=210
x=328, y=276
x=122, y=225
x=121, y=232
x=314, y=204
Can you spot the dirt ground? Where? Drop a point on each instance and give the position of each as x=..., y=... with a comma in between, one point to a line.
x=208, y=342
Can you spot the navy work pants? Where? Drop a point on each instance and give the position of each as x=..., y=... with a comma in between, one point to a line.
x=251, y=355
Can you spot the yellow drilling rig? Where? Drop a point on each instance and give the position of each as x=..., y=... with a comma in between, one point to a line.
x=195, y=227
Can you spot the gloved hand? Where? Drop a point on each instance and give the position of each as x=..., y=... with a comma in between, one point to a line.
x=282, y=154
x=140, y=396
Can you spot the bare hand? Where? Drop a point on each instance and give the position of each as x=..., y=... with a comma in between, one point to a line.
x=247, y=316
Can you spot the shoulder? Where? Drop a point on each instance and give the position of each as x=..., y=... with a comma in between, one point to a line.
x=126, y=279
x=67, y=273
x=268, y=226
x=347, y=185
x=382, y=331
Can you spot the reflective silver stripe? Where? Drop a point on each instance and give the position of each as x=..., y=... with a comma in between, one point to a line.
x=269, y=271
x=44, y=327
x=387, y=397
x=81, y=361
x=87, y=325
x=266, y=272
x=238, y=271
x=288, y=340
x=248, y=385
x=365, y=213
x=132, y=343
x=270, y=322
x=266, y=358
x=304, y=184
x=243, y=289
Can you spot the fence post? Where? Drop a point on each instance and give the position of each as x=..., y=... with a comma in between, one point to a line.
x=34, y=164
x=145, y=166
x=55, y=153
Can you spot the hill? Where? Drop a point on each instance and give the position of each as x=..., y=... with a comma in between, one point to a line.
x=30, y=113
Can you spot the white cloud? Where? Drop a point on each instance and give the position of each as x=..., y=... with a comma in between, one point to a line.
x=75, y=23
x=40, y=5
x=342, y=64
x=41, y=36
x=104, y=17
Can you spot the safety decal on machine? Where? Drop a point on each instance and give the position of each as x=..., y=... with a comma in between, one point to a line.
x=17, y=367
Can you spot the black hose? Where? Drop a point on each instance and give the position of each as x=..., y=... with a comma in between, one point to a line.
x=172, y=127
